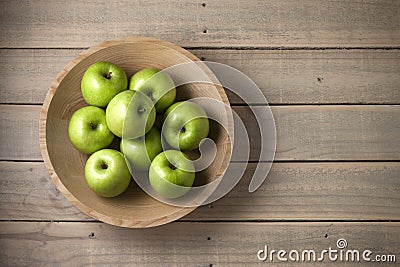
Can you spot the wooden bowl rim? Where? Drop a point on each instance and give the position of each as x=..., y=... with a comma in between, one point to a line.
x=131, y=223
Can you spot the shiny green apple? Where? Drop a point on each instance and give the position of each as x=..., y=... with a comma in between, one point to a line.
x=171, y=174
x=185, y=125
x=130, y=112
x=88, y=131
x=101, y=82
x=106, y=173
x=141, y=151
x=157, y=85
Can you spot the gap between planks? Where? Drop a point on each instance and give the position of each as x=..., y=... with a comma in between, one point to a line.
x=267, y=48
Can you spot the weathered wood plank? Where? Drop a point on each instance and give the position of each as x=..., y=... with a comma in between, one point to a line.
x=329, y=132
x=19, y=132
x=189, y=244
x=318, y=77
x=289, y=23
x=27, y=192
x=313, y=191
x=28, y=74
x=284, y=76
x=303, y=132
x=292, y=191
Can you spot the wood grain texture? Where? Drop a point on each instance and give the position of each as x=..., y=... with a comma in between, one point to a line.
x=292, y=191
x=288, y=23
x=313, y=191
x=303, y=132
x=317, y=77
x=19, y=132
x=186, y=244
x=284, y=77
x=328, y=132
x=28, y=74
x=27, y=189
x=256, y=37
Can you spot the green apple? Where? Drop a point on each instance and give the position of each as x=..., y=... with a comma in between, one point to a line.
x=141, y=151
x=171, y=174
x=156, y=84
x=185, y=125
x=88, y=131
x=101, y=82
x=106, y=173
x=130, y=112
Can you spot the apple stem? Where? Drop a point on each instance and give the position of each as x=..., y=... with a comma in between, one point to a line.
x=92, y=125
x=108, y=75
x=172, y=166
x=150, y=95
x=142, y=110
x=104, y=166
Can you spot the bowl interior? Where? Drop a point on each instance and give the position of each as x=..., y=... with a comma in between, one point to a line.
x=134, y=208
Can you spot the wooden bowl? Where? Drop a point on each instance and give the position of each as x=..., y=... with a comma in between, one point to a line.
x=133, y=208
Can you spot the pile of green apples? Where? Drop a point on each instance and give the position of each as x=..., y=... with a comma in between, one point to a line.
x=127, y=111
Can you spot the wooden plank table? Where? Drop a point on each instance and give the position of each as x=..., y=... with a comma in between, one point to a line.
x=329, y=69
